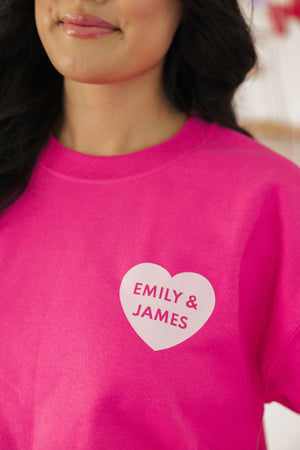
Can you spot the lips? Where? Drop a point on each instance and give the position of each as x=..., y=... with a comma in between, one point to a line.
x=87, y=20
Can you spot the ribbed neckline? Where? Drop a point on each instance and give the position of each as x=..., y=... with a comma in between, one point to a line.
x=70, y=163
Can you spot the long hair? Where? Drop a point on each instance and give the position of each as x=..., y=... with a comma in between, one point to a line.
x=210, y=55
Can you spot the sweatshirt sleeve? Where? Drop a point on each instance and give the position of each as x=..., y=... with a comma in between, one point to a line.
x=283, y=378
x=281, y=348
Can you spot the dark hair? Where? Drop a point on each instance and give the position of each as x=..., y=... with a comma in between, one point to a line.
x=210, y=56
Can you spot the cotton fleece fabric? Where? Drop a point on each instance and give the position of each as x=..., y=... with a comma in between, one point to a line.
x=151, y=300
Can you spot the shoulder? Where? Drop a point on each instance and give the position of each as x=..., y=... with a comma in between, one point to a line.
x=245, y=157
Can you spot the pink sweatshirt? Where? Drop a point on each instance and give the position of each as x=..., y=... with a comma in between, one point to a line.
x=151, y=300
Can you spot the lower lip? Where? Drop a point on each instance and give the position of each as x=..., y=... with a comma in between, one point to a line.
x=86, y=32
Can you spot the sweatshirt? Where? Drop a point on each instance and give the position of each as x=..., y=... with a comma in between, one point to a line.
x=151, y=300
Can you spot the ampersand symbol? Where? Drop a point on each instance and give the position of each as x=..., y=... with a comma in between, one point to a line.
x=192, y=302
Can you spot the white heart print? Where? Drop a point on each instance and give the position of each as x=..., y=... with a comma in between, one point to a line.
x=163, y=310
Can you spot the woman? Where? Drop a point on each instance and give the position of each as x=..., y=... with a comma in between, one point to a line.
x=149, y=245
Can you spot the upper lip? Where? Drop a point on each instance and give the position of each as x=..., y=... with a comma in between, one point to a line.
x=87, y=20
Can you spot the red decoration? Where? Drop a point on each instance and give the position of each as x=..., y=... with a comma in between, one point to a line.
x=280, y=14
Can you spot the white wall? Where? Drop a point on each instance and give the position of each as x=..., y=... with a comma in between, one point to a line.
x=273, y=93
x=282, y=427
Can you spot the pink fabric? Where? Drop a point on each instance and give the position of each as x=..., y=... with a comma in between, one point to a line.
x=151, y=300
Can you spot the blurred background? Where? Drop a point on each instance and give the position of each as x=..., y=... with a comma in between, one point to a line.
x=268, y=105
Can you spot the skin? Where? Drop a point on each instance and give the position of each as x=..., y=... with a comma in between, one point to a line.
x=113, y=99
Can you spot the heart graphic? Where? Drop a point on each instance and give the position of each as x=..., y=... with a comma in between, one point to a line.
x=165, y=311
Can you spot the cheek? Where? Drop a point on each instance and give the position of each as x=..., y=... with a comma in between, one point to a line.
x=45, y=21
x=44, y=14
x=137, y=9
x=150, y=25
x=145, y=12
